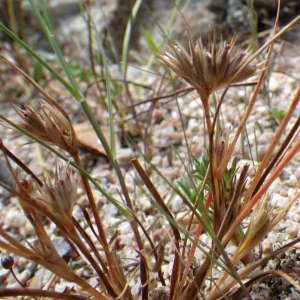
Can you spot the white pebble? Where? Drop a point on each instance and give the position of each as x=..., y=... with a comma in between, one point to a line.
x=279, y=201
x=176, y=203
x=14, y=219
x=292, y=231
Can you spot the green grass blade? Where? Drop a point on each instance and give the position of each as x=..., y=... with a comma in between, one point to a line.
x=112, y=148
x=40, y=60
x=166, y=32
x=126, y=41
x=45, y=23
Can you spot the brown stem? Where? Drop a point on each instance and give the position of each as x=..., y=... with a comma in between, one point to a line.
x=19, y=282
x=160, y=202
x=129, y=204
x=270, y=43
x=258, y=175
x=193, y=248
x=102, y=235
x=39, y=293
x=213, y=166
x=93, y=206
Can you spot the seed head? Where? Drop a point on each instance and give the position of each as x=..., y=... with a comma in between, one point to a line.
x=60, y=194
x=260, y=218
x=49, y=124
x=55, y=197
x=209, y=69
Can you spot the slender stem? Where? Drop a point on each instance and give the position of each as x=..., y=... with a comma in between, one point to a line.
x=19, y=162
x=231, y=146
x=200, y=194
x=160, y=202
x=193, y=248
x=193, y=288
x=104, y=278
x=198, y=280
x=19, y=282
x=213, y=165
x=90, y=44
x=87, y=287
x=129, y=204
x=101, y=231
x=207, y=114
x=93, y=206
x=115, y=165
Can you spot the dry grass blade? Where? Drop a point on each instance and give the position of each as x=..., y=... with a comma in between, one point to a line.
x=279, y=153
x=235, y=201
x=269, y=43
x=91, y=245
x=39, y=293
x=262, y=190
x=266, y=159
x=264, y=223
x=160, y=202
x=53, y=263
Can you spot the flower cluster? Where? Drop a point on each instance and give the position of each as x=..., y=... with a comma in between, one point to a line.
x=49, y=124
x=61, y=194
x=209, y=69
x=56, y=197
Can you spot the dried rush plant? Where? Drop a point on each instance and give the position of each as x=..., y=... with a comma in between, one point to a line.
x=207, y=69
x=220, y=201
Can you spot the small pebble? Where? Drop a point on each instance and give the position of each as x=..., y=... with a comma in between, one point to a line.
x=159, y=234
x=65, y=287
x=283, y=192
x=14, y=219
x=176, y=203
x=266, y=246
x=292, y=231
x=279, y=201
x=124, y=156
x=145, y=204
x=297, y=172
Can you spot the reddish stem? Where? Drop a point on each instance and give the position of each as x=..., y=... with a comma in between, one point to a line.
x=193, y=248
